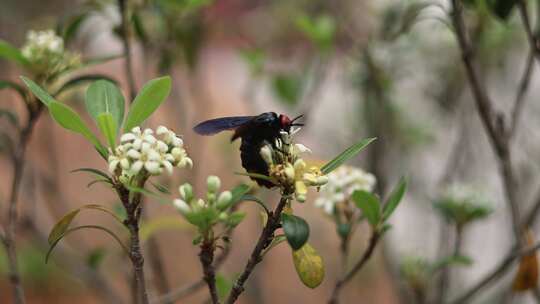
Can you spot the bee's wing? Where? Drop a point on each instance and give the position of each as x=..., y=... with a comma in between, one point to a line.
x=213, y=126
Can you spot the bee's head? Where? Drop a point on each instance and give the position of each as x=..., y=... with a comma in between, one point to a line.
x=286, y=123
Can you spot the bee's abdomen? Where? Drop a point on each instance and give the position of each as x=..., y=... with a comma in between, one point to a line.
x=252, y=160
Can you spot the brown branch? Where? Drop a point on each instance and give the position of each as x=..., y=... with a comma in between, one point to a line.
x=374, y=239
x=133, y=209
x=265, y=239
x=191, y=287
x=492, y=121
x=9, y=237
x=520, y=96
x=206, y=257
x=531, y=37
x=497, y=272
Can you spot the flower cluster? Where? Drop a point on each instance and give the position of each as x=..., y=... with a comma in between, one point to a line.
x=341, y=184
x=141, y=153
x=462, y=204
x=45, y=52
x=288, y=170
x=205, y=213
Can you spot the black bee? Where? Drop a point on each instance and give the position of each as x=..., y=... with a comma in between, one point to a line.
x=255, y=132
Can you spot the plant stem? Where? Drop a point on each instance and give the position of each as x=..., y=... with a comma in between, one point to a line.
x=9, y=238
x=206, y=257
x=124, y=14
x=265, y=239
x=134, y=210
x=375, y=236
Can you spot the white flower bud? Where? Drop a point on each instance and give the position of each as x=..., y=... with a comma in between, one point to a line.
x=214, y=183
x=299, y=148
x=161, y=146
x=177, y=141
x=224, y=200
x=182, y=206
x=153, y=155
x=127, y=137
x=186, y=192
x=136, y=130
x=113, y=164
x=124, y=163
x=162, y=130
x=133, y=154
x=168, y=166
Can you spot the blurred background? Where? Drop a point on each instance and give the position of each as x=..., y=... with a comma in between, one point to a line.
x=355, y=69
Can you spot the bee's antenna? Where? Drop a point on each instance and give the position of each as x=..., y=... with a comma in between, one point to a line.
x=296, y=118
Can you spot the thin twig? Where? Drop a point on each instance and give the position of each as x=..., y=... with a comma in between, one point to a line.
x=265, y=239
x=531, y=37
x=522, y=90
x=193, y=287
x=497, y=272
x=9, y=237
x=492, y=121
x=374, y=239
x=206, y=257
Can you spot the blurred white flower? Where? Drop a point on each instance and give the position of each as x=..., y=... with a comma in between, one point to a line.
x=342, y=182
x=140, y=151
x=45, y=52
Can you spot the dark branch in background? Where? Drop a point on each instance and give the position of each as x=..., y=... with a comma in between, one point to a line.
x=522, y=92
x=500, y=270
x=93, y=277
x=191, y=288
x=9, y=238
x=531, y=36
x=265, y=239
x=499, y=135
x=123, y=7
x=375, y=236
x=492, y=121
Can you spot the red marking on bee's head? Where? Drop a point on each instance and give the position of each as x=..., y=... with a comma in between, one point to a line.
x=284, y=121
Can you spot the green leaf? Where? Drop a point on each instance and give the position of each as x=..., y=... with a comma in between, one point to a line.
x=62, y=226
x=346, y=155
x=11, y=53
x=394, y=199
x=72, y=26
x=453, y=260
x=309, y=266
x=203, y=219
x=6, y=84
x=70, y=120
x=239, y=191
x=93, y=171
x=369, y=204
x=235, y=218
x=82, y=80
x=38, y=91
x=252, y=198
x=53, y=245
x=108, y=127
x=161, y=188
x=296, y=230
x=320, y=30
x=287, y=88
x=165, y=223
x=147, y=101
x=102, y=97
x=223, y=285
x=95, y=257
